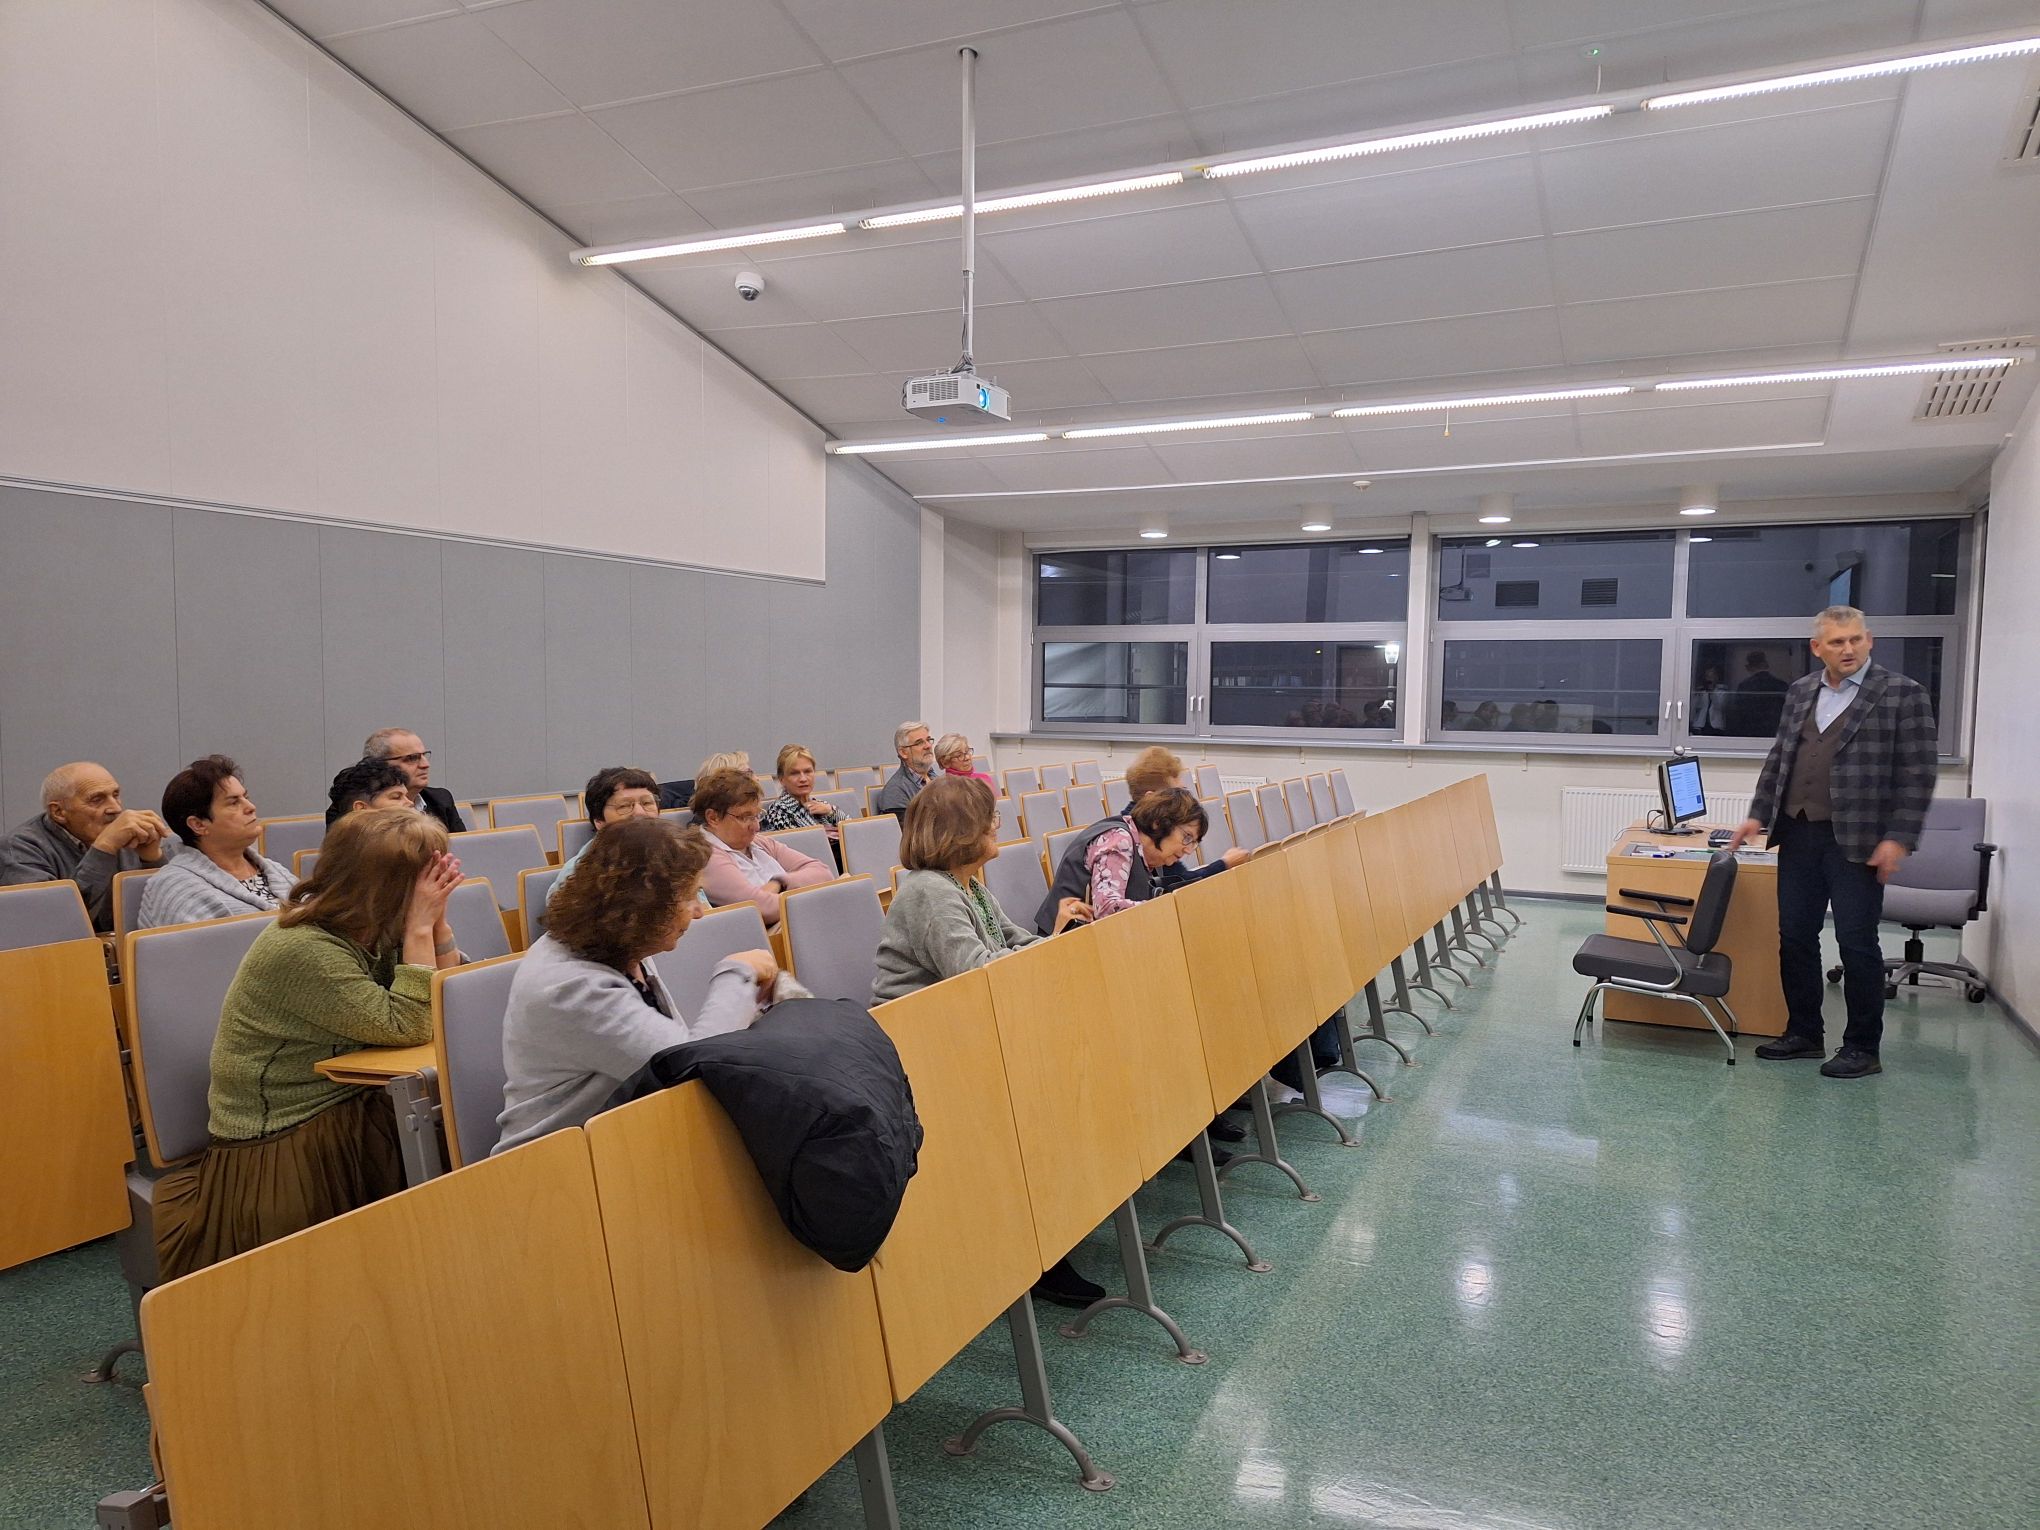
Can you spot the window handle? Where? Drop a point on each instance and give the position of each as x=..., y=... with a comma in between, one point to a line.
x=1666, y=715
x=1681, y=705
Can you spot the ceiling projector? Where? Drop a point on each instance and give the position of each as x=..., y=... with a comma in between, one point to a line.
x=961, y=398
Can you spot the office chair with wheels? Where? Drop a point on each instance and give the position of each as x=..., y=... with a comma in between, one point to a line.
x=1692, y=971
x=1942, y=885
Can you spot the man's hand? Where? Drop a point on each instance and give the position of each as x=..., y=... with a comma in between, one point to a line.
x=137, y=828
x=1886, y=857
x=1749, y=830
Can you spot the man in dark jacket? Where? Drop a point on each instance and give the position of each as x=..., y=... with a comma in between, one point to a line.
x=1842, y=795
x=405, y=750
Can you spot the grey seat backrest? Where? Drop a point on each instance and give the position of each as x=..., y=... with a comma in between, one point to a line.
x=681, y=816
x=178, y=978
x=128, y=887
x=1936, y=885
x=1016, y=882
x=1322, y=805
x=832, y=934
x=1711, y=907
x=476, y=923
x=813, y=843
x=871, y=846
x=499, y=854
x=304, y=863
x=1297, y=796
x=1208, y=782
x=1275, y=819
x=574, y=833
x=848, y=801
x=1217, y=835
x=534, y=888
x=871, y=795
x=282, y=838
x=1245, y=811
x=471, y=1009
x=686, y=969
x=855, y=778
x=1055, y=777
x=1342, y=791
x=44, y=913
x=1083, y=773
x=1021, y=779
x=1052, y=848
x=1009, y=818
x=1085, y=803
x=1044, y=812
x=544, y=814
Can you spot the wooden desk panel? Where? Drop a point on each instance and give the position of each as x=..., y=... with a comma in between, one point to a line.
x=64, y=1138
x=754, y=1364
x=378, y=1065
x=1238, y=1046
x=1749, y=935
x=1148, y=988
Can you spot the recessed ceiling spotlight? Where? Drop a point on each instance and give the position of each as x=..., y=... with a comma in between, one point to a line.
x=1696, y=537
x=1363, y=483
x=1699, y=499
x=1317, y=525
x=1522, y=544
x=1696, y=510
x=1227, y=557
x=1153, y=534
x=1495, y=520
x=1494, y=541
x=1495, y=508
x=1368, y=552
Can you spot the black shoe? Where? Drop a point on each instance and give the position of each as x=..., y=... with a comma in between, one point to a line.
x=1062, y=1285
x=1223, y=1130
x=1851, y=1062
x=1791, y=1044
x=1219, y=1156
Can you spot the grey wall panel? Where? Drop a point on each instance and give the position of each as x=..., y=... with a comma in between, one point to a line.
x=88, y=644
x=741, y=640
x=249, y=670
x=494, y=641
x=379, y=619
x=587, y=668
x=668, y=674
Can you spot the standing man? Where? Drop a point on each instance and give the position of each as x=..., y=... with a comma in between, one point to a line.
x=1842, y=795
x=405, y=750
x=914, y=743
x=85, y=835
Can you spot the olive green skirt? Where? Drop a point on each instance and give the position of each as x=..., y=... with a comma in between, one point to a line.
x=240, y=1195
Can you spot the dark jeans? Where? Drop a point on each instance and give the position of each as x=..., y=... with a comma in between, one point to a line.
x=1813, y=873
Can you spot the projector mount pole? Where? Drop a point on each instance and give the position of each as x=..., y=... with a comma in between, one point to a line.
x=969, y=57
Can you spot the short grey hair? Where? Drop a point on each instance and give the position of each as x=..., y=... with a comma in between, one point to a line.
x=60, y=783
x=950, y=745
x=899, y=735
x=377, y=746
x=1838, y=616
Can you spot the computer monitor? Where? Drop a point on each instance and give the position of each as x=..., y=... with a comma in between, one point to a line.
x=1680, y=794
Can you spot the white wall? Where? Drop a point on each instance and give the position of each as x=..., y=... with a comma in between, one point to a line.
x=236, y=276
x=2008, y=728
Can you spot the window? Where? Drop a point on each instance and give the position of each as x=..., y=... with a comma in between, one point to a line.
x=1739, y=683
x=1624, y=575
x=1578, y=686
x=1887, y=568
x=1295, y=640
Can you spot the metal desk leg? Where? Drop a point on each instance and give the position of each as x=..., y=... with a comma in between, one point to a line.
x=1313, y=1101
x=1266, y=1149
x=1035, y=1407
x=1404, y=986
x=1349, y=1060
x=1377, y=1025
x=148, y=1509
x=1502, y=900
x=1442, y=957
x=1213, y=1215
x=1140, y=1291
x=1463, y=932
x=415, y=1098
x=874, y=1481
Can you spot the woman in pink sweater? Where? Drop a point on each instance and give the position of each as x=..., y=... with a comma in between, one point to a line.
x=744, y=864
x=953, y=753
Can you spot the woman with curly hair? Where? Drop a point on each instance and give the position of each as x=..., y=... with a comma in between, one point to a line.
x=587, y=1009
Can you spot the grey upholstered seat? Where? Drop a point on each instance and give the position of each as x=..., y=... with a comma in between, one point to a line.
x=1640, y=961
x=44, y=914
x=832, y=934
x=472, y=1003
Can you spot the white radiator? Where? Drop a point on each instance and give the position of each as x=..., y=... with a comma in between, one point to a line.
x=1590, y=817
x=1241, y=783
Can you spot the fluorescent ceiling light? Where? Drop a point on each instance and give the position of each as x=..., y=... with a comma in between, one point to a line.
x=1905, y=64
x=931, y=443
x=1431, y=406
x=1840, y=374
x=1391, y=144
x=616, y=255
x=1156, y=427
x=1026, y=199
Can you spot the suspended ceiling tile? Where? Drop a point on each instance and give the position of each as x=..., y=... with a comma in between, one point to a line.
x=1078, y=72
x=1110, y=254
x=630, y=218
x=323, y=18
x=830, y=399
x=453, y=72
x=1234, y=308
x=1644, y=45
x=702, y=290
x=1040, y=387
x=1730, y=250
x=1689, y=324
x=1359, y=109
x=1730, y=424
x=600, y=51
x=1486, y=278
x=779, y=351
x=861, y=282
x=841, y=194
x=920, y=474
x=1186, y=372
x=1480, y=202
x=1473, y=440
x=791, y=125
x=912, y=343
x=1438, y=349
x=1067, y=468
x=556, y=160
x=1196, y=460
x=1092, y=154
x=848, y=29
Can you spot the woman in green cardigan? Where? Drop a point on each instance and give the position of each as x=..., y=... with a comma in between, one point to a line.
x=348, y=964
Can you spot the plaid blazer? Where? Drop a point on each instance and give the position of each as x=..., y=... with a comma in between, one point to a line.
x=1883, y=776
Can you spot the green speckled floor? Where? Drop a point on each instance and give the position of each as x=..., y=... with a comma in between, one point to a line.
x=1597, y=1290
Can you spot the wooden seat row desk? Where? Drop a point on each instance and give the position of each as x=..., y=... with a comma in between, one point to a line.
x=1749, y=935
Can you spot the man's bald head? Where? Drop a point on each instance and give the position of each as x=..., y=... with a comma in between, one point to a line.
x=62, y=784
x=82, y=797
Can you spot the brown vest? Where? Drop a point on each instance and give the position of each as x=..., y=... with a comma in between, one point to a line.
x=1807, y=793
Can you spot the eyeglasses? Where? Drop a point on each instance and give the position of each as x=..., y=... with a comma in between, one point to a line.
x=411, y=759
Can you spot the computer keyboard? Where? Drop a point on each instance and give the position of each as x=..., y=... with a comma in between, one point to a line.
x=1716, y=838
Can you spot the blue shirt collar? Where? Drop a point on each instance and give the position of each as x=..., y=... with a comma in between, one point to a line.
x=1855, y=679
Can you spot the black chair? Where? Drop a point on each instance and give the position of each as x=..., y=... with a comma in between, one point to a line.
x=1692, y=971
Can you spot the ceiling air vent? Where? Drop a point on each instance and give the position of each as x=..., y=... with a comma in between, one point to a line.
x=2023, y=147
x=1598, y=592
x=1515, y=592
x=1964, y=395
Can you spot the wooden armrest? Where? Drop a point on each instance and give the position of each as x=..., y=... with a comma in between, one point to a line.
x=1668, y=899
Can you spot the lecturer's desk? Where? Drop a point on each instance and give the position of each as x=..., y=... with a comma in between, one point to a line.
x=1749, y=935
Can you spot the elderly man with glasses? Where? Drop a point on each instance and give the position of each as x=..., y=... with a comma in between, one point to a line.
x=914, y=743
x=405, y=750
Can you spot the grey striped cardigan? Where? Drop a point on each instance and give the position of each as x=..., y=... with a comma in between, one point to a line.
x=192, y=887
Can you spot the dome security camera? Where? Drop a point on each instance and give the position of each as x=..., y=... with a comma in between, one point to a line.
x=749, y=285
